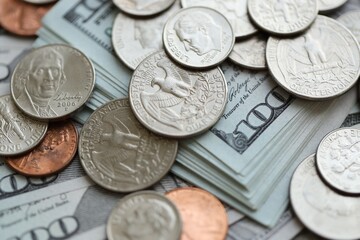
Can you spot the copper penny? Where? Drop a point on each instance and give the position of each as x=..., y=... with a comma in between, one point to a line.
x=203, y=215
x=22, y=18
x=53, y=154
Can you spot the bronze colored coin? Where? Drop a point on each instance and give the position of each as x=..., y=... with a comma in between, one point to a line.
x=22, y=18
x=53, y=154
x=203, y=215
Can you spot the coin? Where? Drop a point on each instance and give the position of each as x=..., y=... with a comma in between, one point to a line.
x=250, y=53
x=329, y=5
x=22, y=18
x=319, y=208
x=143, y=7
x=53, y=154
x=144, y=215
x=235, y=11
x=40, y=1
x=284, y=17
x=53, y=81
x=119, y=154
x=174, y=102
x=136, y=38
x=18, y=133
x=351, y=20
x=321, y=64
x=198, y=37
x=203, y=215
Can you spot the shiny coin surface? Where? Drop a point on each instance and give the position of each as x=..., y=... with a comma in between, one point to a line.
x=119, y=154
x=22, y=18
x=18, y=132
x=143, y=7
x=235, y=11
x=321, y=64
x=203, y=215
x=40, y=1
x=144, y=215
x=175, y=102
x=319, y=208
x=283, y=17
x=351, y=20
x=337, y=159
x=53, y=154
x=136, y=38
x=53, y=81
x=250, y=53
x=198, y=37
x=329, y=5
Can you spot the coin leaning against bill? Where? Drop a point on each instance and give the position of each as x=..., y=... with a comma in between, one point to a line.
x=142, y=8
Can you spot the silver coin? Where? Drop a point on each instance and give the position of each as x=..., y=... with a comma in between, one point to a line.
x=18, y=132
x=39, y=1
x=283, y=17
x=338, y=159
x=351, y=20
x=119, y=154
x=143, y=7
x=322, y=63
x=198, y=37
x=250, y=53
x=235, y=11
x=174, y=102
x=144, y=215
x=329, y=5
x=53, y=81
x=319, y=208
x=136, y=38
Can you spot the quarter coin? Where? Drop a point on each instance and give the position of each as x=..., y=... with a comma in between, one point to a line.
x=351, y=20
x=143, y=7
x=329, y=5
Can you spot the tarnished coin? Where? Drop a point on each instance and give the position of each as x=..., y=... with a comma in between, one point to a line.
x=351, y=20
x=321, y=64
x=319, y=208
x=203, y=215
x=283, y=17
x=198, y=37
x=143, y=7
x=329, y=5
x=18, y=132
x=235, y=11
x=250, y=53
x=136, y=38
x=53, y=81
x=119, y=154
x=144, y=215
x=53, y=154
x=338, y=159
x=175, y=102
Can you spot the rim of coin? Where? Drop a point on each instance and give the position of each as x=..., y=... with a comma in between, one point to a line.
x=319, y=208
x=51, y=155
x=306, y=83
x=150, y=10
x=336, y=169
x=329, y=8
x=119, y=154
x=73, y=80
x=173, y=108
x=157, y=203
x=40, y=1
x=201, y=54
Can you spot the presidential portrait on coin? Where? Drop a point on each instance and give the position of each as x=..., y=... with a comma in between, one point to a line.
x=148, y=33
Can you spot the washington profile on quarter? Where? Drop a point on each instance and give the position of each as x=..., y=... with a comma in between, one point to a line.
x=143, y=8
x=53, y=81
x=198, y=37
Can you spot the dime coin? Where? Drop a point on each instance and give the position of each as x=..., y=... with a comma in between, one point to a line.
x=18, y=133
x=143, y=7
x=144, y=215
x=174, y=102
x=136, y=38
x=235, y=11
x=351, y=20
x=329, y=5
x=284, y=17
x=250, y=53
x=198, y=37
x=203, y=215
x=119, y=154
x=319, y=208
x=22, y=18
x=53, y=154
x=337, y=159
x=52, y=82
x=321, y=64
